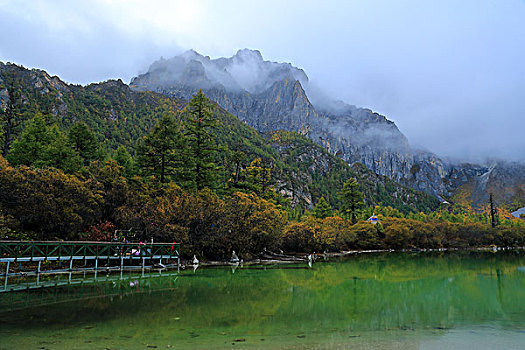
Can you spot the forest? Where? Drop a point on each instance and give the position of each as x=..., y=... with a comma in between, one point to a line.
x=183, y=181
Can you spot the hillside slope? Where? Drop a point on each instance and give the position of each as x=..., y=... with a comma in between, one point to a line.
x=271, y=96
x=302, y=170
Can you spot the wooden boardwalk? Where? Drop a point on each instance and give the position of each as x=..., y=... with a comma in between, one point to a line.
x=92, y=255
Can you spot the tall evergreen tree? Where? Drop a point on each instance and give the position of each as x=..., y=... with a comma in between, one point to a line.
x=257, y=177
x=159, y=153
x=9, y=118
x=322, y=209
x=84, y=142
x=41, y=145
x=199, y=129
x=60, y=153
x=124, y=159
x=237, y=158
x=32, y=143
x=351, y=200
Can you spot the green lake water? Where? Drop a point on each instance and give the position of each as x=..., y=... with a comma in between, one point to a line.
x=461, y=300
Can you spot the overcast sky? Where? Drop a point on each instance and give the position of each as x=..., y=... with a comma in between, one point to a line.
x=451, y=74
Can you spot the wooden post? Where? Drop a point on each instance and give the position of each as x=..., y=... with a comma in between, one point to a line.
x=6, y=273
x=38, y=274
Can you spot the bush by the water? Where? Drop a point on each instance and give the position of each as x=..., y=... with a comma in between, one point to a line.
x=49, y=204
x=214, y=189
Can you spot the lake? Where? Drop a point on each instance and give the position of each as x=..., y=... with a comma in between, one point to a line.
x=368, y=301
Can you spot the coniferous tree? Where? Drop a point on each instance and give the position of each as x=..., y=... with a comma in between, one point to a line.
x=9, y=118
x=159, y=153
x=238, y=157
x=322, y=209
x=60, y=153
x=351, y=200
x=124, y=159
x=32, y=143
x=199, y=129
x=84, y=142
x=41, y=145
x=257, y=177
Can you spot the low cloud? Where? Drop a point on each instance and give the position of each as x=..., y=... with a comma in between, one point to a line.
x=78, y=41
x=246, y=70
x=449, y=73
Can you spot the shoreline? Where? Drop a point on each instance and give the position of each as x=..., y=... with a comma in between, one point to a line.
x=273, y=258
x=268, y=258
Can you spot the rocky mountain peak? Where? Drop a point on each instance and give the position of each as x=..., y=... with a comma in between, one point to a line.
x=192, y=55
x=272, y=96
x=248, y=54
x=245, y=71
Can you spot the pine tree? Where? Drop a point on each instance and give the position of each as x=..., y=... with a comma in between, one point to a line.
x=84, y=142
x=159, y=153
x=322, y=209
x=32, y=143
x=124, y=159
x=199, y=129
x=9, y=118
x=60, y=153
x=41, y=145
x=237, y=158
x=257, y=177
x=351, y=200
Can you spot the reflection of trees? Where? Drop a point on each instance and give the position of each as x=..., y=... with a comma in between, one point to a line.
x=91, y=290
x=363, y=293
x=402, y=291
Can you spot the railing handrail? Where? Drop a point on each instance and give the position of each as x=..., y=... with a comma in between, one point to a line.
x=45, y=249
x=85, y=242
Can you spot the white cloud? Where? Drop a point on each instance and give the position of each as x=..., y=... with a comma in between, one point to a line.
x=434, y=67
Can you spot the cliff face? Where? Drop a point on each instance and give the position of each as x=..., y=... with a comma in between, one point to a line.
x=268, y=96
x=271, y=96
x=505, y=180
x=303, y=170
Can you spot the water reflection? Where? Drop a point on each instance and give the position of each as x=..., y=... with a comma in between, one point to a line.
x=330, y=303
x=41, y=289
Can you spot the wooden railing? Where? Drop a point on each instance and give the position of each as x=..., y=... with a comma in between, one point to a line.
x=60, y=250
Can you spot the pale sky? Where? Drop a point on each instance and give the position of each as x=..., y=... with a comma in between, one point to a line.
x=451, y=74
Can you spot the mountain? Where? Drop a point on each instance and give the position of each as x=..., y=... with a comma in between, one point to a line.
x=272, y=96
x=118, y=115
x=115, y=113
x=505, y=180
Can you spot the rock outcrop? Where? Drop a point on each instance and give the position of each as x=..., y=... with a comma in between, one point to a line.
x=303, y=171
x=273, y=96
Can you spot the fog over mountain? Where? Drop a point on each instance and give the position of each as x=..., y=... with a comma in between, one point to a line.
x=449, y=73
x=246, y=70
x=271, y=96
